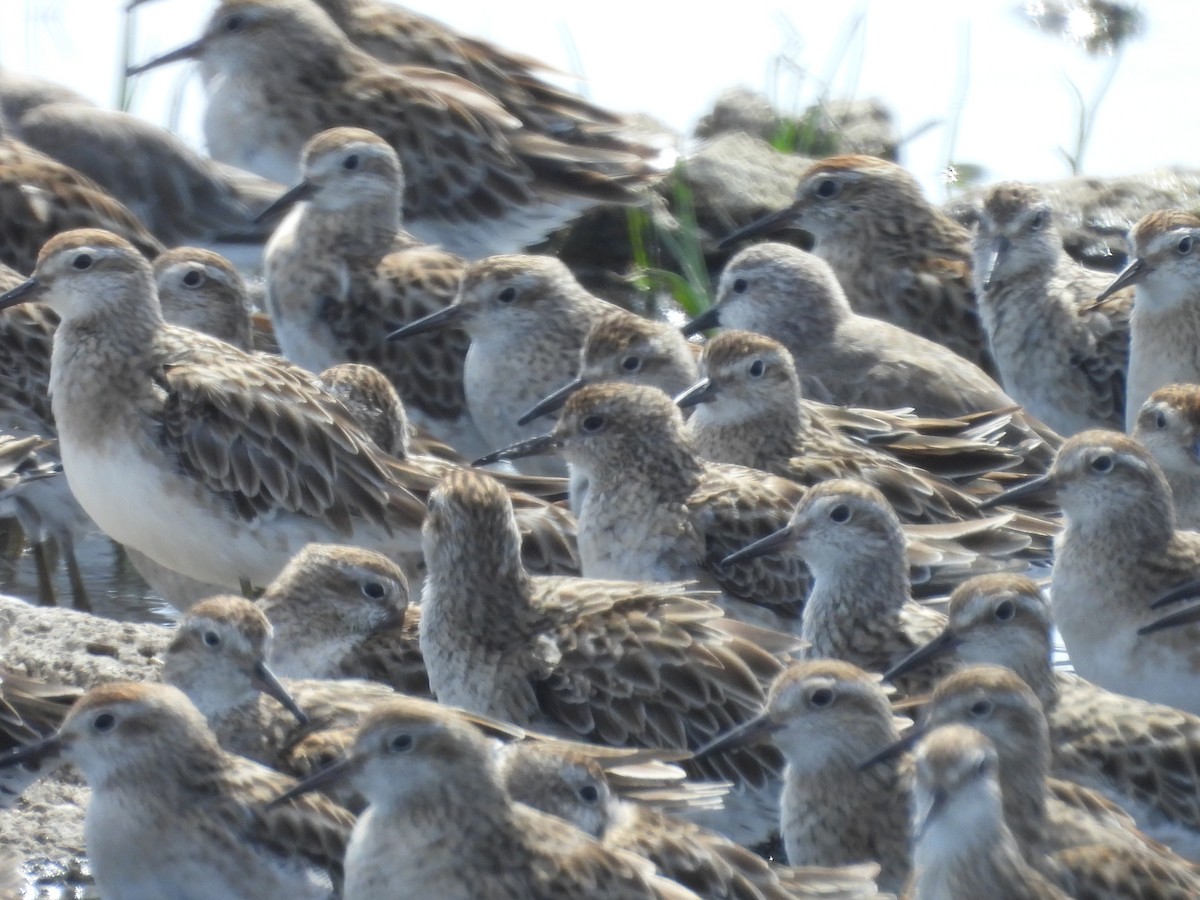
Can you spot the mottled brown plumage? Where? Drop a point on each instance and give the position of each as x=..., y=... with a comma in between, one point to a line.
x=40, y=197
x=572, y=786
x=343, y=612
x=441, y=824
x=182, y=196
x=251, y=458
x=477, y=181
x=860, y=609
x=963, y=847
x=844, y=357
x=342, y=274
x=402, y=37
x=899, y=257
x=654, y=510
x=1119, y=551
x=160, y=780
x=1143, y=755
x=1047, y=816
x=620, y=663
x=827, y=717
x=749, y=412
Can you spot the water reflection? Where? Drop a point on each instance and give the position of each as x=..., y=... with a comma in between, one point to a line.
x=114, y=586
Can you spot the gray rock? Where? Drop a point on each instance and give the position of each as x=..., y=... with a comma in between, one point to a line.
x=824, y=129
x=81, y=650
x=735, y=179
x=740, y=110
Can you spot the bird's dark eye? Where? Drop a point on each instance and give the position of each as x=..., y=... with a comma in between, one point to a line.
x=631, y=363
x=233, y=24
x=840, y=514
x=212, y=639
x=82, y=261
x=821, y=697
x=401, y=743
x=1160, y=419
x=827, y=188
x=104, y=722
x=1185, y=245
x=1038, y=222
x=192, y=278
x=508, y=295
x=981, y=709
x=373, y=590
x=1102, y=463
x=740, y=285
x=589, y=794
x=350, y=163
x=1005, y=610
x=593, y=423
x=757, y=368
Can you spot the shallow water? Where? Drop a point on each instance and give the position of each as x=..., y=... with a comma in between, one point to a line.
x=114, y=587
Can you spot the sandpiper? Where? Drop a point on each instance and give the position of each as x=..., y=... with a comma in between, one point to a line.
x=342, y=273
x=843, y=357
x=749, y=412
x=542, y=653
x=962, y=846
x=1073, y=835
x=573, y=786
x=171, y=813
x=441, y=824
x=860, y=609
x=527, y=317
x=201, y=290
x=963, y=449
x=213, y=462
x=403, y=37
x=478, y=182
x=375, y=406
x=1169, y=427
x=899, y=257
x=1119, y=550
x=182, y=196
x=65, y=199
x=1166, y=327
x=827, y=717
x=1058, y=354
x=19, y=93
x=218, y=659
x=630, y=348
x=1132, y=751
x=343, y=612
x=661, y=513
x=373, y=402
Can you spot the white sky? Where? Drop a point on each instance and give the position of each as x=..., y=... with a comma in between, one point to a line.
x=649, y=56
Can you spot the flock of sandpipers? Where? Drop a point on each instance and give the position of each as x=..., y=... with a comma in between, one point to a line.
x=685, y=633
